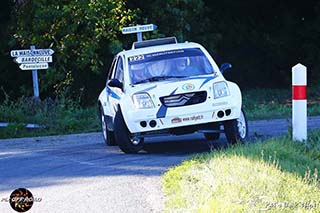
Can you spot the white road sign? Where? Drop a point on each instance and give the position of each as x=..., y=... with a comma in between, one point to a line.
x=33, y=59
x=139, y=29
x=36, y=66
x=28, y=52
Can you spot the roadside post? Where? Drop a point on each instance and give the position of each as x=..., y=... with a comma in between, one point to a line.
x=299, y=102
x=33, y=59
x=139, y=29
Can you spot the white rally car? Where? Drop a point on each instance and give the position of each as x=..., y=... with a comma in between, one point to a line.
x=163, y=87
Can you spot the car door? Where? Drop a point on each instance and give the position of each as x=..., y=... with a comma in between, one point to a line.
x=115, y=93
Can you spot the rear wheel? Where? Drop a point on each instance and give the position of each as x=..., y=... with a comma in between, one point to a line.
x=127, y=143
x=237, y=129
x=108, y=136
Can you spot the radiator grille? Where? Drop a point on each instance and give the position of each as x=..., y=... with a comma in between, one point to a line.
x=184, y=99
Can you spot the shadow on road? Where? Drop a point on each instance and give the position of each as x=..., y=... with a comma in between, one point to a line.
x=46, y=161
x=183, y=145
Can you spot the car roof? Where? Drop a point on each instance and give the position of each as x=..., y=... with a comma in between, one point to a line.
x=159, y=48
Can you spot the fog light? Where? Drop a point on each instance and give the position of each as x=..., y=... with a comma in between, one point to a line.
x=143, y=124
x=153, y=123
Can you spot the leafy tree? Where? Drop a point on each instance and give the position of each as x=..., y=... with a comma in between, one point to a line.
x=83, y=34
x=186, y=19
x=262, y=39
x=5, y=60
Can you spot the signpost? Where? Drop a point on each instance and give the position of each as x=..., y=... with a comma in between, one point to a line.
x=33, y=59
x=38, y=66
x=139, y=29
x=30, y=52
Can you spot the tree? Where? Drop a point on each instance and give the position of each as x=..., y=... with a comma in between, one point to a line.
x=84, y=35
x=185, y=19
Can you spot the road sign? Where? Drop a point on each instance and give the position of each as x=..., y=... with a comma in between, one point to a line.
x=36, y=66
x=139, y=29
x=34, y=52
x=33, y=59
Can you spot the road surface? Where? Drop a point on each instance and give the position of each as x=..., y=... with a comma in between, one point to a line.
x=79, y=173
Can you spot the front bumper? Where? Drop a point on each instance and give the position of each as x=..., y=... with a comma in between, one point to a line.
x=139, y=121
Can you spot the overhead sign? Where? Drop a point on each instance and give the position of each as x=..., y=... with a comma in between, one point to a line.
x=33, y=59
x=139, y=29
x=36, y=66
x=29, y=52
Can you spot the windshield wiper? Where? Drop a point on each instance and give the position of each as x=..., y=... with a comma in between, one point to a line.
x=158, y=78
x=142, y=81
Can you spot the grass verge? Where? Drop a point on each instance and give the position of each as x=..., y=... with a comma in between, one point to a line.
x=57, y=117
x=277, y=175
x=276, y=103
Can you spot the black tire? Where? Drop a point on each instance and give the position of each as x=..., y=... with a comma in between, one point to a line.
x=237, y=130
x=126, y=142
x=108, y=136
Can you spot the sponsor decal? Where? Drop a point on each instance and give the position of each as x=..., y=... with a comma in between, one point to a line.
x=188, y=87
x=176, y=120
x=191, y=118
x=220, y=104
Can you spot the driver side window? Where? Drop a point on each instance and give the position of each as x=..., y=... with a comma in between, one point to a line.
x=119, y=70
x=110, y=73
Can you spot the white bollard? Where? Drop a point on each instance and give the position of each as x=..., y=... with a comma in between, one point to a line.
x=299, y=102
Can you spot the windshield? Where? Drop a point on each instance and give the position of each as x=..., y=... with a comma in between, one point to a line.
x=168, y=64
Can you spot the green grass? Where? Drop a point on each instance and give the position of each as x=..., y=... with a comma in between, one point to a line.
x=278, y=175
x=276, y=103
x=57, y=117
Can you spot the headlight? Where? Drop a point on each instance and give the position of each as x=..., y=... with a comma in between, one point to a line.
x=220, y=89
x=142, y=101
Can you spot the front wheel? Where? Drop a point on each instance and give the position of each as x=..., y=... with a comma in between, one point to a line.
x=237, y=129
x=127, y=143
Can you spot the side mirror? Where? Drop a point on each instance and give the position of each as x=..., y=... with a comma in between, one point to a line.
x=224, y=67
x=115, y=83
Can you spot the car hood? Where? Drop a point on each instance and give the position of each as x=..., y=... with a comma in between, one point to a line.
x=176, y=86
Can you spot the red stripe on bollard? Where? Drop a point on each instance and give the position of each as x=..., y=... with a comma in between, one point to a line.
x=299, y=92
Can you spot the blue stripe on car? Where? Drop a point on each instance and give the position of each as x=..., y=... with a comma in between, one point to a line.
x=207, y=80
x=162, y=112
x=147, y=89
x=112, y=94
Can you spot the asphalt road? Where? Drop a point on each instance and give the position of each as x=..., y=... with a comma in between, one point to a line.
x=79, y=173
